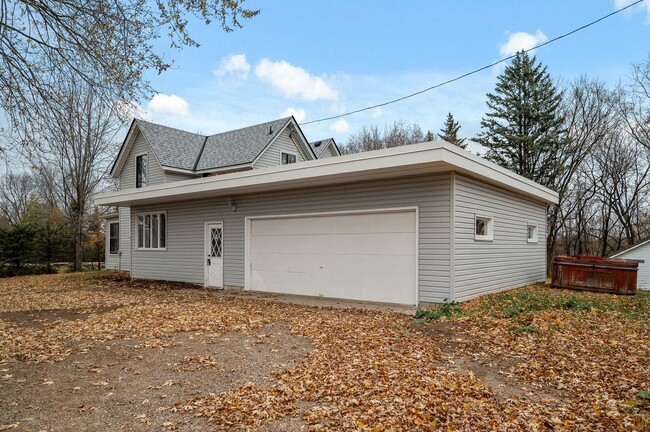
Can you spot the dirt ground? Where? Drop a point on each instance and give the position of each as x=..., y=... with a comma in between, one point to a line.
x=103, y=353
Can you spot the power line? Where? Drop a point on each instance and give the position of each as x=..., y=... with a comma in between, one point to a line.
x=475, y=71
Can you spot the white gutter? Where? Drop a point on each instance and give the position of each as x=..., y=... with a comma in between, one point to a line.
x=437, y=156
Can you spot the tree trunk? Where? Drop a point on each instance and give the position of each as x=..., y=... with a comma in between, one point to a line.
x=79, y=243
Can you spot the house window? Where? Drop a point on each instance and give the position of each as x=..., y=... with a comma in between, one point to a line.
x=532, y=233
x=141, y=171
x=288, y=158
x=482, y=228
x=114, y=237
x=152, y=231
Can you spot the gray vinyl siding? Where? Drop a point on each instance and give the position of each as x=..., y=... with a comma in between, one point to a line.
x=283, y=143
x=111, y=260
x=155, y=174
x=640, y=253
x=183, y=259
x=125, y=239
x=172, y=177
x=329, y=152
x=508, y=261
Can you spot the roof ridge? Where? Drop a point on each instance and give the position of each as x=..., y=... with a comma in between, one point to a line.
x=286, y=119
x=170, y=127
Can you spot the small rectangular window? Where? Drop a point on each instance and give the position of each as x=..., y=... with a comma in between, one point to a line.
x=288, y=158
x=532, y=233
x=114, y=237
x=152, y=231
x=141, y=171
x=482, y=228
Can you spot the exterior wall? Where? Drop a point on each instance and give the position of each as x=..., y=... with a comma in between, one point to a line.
x=111, y=261
x=508, y=261
x=183, y=260
x=172, y=177
x=329, y=152
x=641, y=253
x=125, y=239
x=155, y=174
x=283, y=143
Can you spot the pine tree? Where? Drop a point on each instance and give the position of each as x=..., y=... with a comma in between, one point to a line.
x=523, y=129
x=428, y=136
x=450, y=132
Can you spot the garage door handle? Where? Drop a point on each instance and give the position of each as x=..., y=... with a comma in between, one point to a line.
x=208, y=261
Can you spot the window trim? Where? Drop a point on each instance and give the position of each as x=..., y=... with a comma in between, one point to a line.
x=110, y=252
x=490, y=228
x=137, y=225
x=146, y=173
x=282, y=152
x=536, y=238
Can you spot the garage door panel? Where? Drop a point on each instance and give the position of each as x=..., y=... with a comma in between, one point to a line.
x=349, y=224
x=365, y=243
x=354, y=256
x=338, y=286
x=327, y=265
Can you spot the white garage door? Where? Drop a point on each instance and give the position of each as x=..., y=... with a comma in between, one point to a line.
x=369, y=256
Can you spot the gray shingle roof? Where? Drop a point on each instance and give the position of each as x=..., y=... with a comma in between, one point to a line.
x=173, y=147
x=319, y=146
x=186, y=150
x=239, y=146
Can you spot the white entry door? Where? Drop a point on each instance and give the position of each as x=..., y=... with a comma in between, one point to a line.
x=358, y=256
x=214, y=255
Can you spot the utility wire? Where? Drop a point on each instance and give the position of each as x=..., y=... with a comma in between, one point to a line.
x=475, y=71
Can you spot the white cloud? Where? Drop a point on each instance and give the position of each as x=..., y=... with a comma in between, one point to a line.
x=299, y=114
x=618, y=4
x=168, y=104
x=294, y=81
x=521, y=41
x=340, y=126
x=235, y=64
x=376, y=113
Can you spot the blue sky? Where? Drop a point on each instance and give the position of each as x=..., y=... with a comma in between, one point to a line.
x=317, y=59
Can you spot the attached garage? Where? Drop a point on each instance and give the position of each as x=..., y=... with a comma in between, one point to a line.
x=370, y=256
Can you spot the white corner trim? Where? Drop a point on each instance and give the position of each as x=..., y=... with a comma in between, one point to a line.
x=452, y=236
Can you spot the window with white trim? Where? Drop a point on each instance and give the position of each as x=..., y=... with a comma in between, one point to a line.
x=287, y=158
x=152, y=231
x=532, y=233
x=141, y=170
x=114, y=238
x=483, y=227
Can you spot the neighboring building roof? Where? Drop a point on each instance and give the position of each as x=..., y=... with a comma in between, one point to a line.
x=178, y=149
x=319, y=147
x=429, y=157
x=638, y=245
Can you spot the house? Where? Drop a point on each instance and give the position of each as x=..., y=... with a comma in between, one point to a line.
x=639, y=252
x=263, y=209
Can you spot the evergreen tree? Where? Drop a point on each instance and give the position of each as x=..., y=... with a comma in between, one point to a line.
x=523, y=129
x=428, y=136
x=450, y=132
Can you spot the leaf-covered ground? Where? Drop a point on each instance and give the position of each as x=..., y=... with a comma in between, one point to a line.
x=100, y=352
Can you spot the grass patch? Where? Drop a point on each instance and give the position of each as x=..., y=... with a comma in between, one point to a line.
x=449, y=310
x=538, y=298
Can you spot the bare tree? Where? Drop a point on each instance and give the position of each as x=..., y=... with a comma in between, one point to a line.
x=107, y=44
x=17, y=191
x=71, y=147
x=400, y=133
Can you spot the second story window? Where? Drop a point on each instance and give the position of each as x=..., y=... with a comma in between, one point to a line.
x=288, y=158
x=141, y=171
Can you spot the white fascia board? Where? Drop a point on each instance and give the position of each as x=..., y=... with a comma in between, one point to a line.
x=125, y=149
x=400, y=161
x=630, y=249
